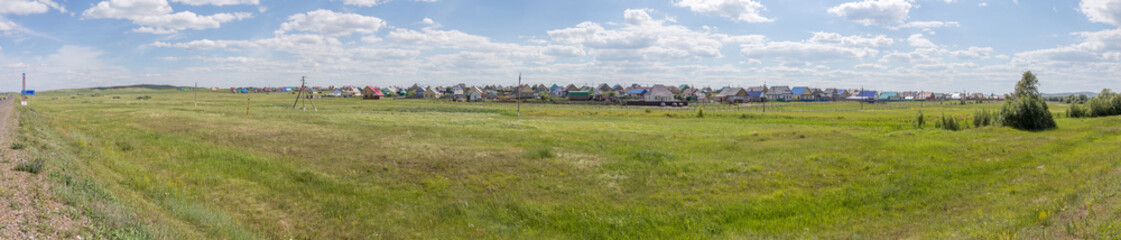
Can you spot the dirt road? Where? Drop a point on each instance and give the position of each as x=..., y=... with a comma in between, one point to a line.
x=28, y=209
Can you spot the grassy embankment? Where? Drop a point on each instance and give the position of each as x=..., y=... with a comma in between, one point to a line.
x=421, y=169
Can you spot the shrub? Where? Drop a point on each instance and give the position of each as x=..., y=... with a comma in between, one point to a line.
x=18, y=145
x=33, y=166
x=1107, y=103
x=1077, y=111
x=950, y=123
x=984, y=118
x=701, y=112
x=1025, y=108
x=541, y=153
x=919, y=121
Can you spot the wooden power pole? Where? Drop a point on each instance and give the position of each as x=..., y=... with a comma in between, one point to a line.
x=518, y=94
x=306, y=93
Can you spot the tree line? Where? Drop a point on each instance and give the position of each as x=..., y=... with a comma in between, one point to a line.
x=1107, y=103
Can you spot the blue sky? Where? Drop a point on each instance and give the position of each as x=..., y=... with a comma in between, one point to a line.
x=940, y=45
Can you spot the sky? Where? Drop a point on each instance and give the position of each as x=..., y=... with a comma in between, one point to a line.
x=933, y=45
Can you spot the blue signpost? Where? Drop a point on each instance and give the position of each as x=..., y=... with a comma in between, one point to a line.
x=28, y=92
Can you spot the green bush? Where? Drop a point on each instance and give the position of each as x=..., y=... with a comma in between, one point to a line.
x=950, y=123
x=919, y=121
x=1025, y=108
x=33, y=166
x=1077, y=111
x=541, y=153
x=984, y=118
x=18, y=145
x=700, y=112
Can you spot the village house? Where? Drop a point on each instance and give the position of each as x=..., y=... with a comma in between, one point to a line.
x=659, y=93
x=371, y=93
x=780, y=93
x=732, y=95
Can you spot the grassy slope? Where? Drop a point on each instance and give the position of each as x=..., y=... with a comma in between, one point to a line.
x=422, y=169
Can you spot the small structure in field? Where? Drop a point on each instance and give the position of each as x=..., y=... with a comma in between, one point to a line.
x=580, y=95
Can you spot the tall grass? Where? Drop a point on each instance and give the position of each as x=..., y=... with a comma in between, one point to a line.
x=161, y=168
x=33, y=166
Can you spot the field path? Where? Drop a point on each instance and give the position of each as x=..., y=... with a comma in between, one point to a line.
x=27, y=208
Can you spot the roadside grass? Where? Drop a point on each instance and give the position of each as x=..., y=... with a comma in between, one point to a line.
x=162, y=168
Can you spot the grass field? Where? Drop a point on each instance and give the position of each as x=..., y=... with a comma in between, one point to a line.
x=359, y=169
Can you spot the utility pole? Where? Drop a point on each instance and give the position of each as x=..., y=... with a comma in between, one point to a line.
x=518, y=94
x=196, y=94
x=305, y=92
x=764, y=97
x=859, y=94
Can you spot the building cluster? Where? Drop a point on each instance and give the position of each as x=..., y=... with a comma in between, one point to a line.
x=633, y=93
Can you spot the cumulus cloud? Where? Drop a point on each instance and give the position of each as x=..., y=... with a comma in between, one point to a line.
x=156, y=16
x=331, y=23
x=371, y=3
x=1102, y=11
x=928, y=24
x=1103, y=45
x=917, y=40
x=25, y=7
x=644, y=38
x=217, y=2
x=737, y=10
x=874, y=12
x=851, y=41
x=973, y=53
x=804, y=52
x=821, y=47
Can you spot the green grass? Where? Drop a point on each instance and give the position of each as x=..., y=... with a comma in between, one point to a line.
x=162, y=168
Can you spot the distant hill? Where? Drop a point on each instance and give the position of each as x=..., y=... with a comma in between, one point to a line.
x=1089, y=94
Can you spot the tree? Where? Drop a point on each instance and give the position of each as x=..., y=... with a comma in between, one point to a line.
x=1025, y=108
x=1027, y=85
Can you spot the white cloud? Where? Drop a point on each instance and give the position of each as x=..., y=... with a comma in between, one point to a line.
x=371, y=3
x=874, y=12
x=917, y=40
x=983, y=4
x=155, y=16
x=737, y=10
x=1102, y=11
x=332, y=23
x=7, y=25
x=871, y=66
x=803, y=52
x=973, y=53
x=1103, y=45
x=217, y=2
x=851, y=41
x=644, y=38
x=25, y=7
x=821, y=47
x=928, y=24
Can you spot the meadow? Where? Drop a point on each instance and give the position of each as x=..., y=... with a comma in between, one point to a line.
x=391, y=169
